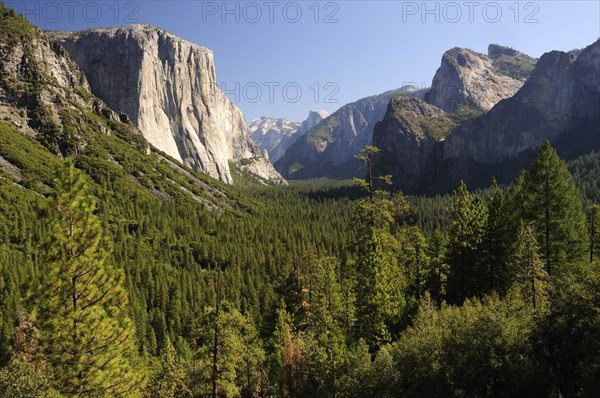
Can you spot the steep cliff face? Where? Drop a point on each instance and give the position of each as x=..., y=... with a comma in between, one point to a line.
x=328, y=149
x=167, y=87
x=409, y=137
x=559, y=102
x=469, y=79
x=314, y=118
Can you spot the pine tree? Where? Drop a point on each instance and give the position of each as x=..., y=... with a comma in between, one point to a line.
x=325, y=346
x=593, y=224
x=438, y=269
x=220, y=353
x=288, y=362
x=553, y=207
x=379, y=282
x=414, y=259
x=169, y=377
x=496, y=242
x=85, y=334
x=532, y=278
x=326, y=304
x=466, y=276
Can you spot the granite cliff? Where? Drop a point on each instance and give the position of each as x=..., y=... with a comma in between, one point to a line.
x=559, y=101
x=469, y=79
x=167, y=87
x=409, y=136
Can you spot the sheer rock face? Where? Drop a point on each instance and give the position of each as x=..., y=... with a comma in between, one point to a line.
x=167, y=86
x=467, y=78
x=409, y=137
x=559, y=101
x=314, y=118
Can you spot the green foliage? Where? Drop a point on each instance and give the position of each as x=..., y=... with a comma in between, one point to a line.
x=314, y=281
x=32, y=159
x=593, y=226
x=86, y=336
x=479, y=349
x=436, y=275
x=585, y=170
x=287, y=361
x=517, y=67
x=14, y=28
x=497, y=241
x=239, y=356
x=20, y=379
x=379, y=280
x=437, y=129
x=414, y=259
x=531, y=276
x=551, y=203
x=567, y=337
x=322, y=132
x=168, y=380
x=465, y=233
x=464, y=113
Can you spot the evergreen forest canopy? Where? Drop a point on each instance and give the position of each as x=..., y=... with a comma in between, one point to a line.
x=126, y=274
x=311, y=290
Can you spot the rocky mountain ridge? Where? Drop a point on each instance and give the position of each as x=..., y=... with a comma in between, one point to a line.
x=48, y=113
x=167, y=87
x=559, y=101
x=466, y=84
x=42, y=91
x=276, y=135
x=470, y=79
x=328, y=149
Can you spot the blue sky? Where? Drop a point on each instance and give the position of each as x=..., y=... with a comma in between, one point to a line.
x=283, y=58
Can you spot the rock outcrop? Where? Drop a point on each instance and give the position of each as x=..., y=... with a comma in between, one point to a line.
x=273, y=135
x=409, y=137
x=277, y=135
x=167, y=87
x=314, y=118
x=42, y=91
x=328, y=149
x=469, y=79
x=559, y=101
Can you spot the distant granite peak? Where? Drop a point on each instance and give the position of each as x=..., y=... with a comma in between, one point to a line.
x=276, y=135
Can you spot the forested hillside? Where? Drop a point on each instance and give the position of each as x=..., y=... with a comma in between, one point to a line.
x=317, y=292
x=124, y=273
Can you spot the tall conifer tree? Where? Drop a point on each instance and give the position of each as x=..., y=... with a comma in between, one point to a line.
x=85, y=334
x=464, y=249
x=553, y=206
